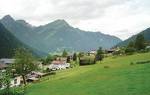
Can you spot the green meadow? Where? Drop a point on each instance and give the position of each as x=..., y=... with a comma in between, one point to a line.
x=112, y=76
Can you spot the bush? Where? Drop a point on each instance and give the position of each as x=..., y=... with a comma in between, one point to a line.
x=143, y=62
x=106, y=66
x=130, y=51
x=131, y=63
x=16, y=92
x=87, y=60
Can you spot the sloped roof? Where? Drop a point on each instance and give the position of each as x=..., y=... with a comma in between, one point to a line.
x=6, y=60
x=58, y=62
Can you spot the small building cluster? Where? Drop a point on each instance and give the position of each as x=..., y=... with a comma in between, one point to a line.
x=4, y=64
x=34, y=76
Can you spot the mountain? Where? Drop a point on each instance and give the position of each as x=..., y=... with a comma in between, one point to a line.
x=145, y=33
x=19, y=28
x=57, y=35
x=8, y=43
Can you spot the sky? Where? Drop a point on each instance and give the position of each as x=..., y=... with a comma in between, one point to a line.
x=121, y=18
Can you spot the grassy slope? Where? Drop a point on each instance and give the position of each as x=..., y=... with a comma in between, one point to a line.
x=120, y=79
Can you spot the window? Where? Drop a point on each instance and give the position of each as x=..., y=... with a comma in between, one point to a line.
x=15, y=81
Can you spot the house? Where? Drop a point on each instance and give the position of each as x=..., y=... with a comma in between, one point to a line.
x=147, y=47
x=7, y=61
x=64, y=59
x=35, y=76
x=92, y=52
x=112, y=50
x=16, y=81
x=59, y=64
x=38, y=74
x=32, y=77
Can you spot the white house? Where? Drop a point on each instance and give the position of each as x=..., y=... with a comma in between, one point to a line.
x=148, y=47
x=14, y=82
x=58, y=65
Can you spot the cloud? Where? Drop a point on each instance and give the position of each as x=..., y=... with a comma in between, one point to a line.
x=121, y=18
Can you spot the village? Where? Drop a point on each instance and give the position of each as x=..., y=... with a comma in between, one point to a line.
x=58, y=63
x=33, y=76
x=51, y=64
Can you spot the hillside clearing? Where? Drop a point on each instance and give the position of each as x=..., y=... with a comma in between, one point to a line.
x=120, y=78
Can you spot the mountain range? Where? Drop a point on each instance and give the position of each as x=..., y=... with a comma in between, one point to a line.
x=57, y=36
x=145, y=33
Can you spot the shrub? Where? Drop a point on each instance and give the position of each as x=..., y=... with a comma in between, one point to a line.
x=129, y=51
x=87, y=60
x=143, y=62
x=131, y=63
x=106, y=66
x=16, y=92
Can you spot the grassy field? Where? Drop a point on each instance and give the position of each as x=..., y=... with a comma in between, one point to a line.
x=119, y=78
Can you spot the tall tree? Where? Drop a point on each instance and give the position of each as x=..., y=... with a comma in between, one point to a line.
x=74, y=57
x=64, y=54
x=68, y=59
x=130, y=49
x=131, y=44
x=99, y=55
x=24, y=63
x=140, y=42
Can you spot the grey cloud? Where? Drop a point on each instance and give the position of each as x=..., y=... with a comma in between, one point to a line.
x=128, y=13
x=83, y=9
x=72, y=9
